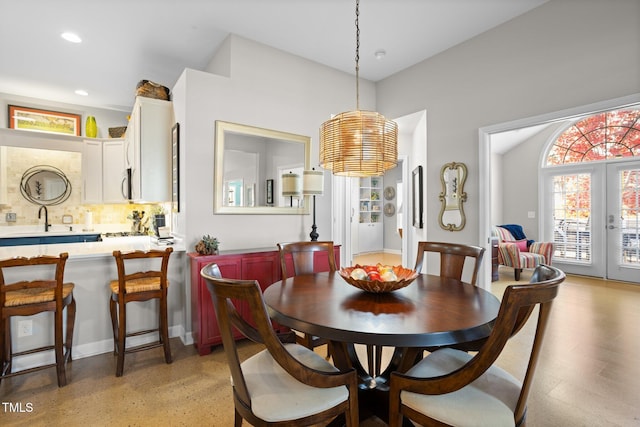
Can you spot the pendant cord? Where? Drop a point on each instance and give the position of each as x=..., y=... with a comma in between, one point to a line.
x=357, y=55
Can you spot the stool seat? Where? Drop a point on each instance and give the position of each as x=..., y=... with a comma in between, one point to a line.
x=36, y=295
x=137, y=285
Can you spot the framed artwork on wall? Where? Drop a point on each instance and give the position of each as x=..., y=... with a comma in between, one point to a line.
x=269, y=192
x=417, y=197
x=175, y=168
x=37, y=120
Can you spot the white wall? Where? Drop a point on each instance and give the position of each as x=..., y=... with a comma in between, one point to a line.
x=556, y=56
x=266, y=88
x=519, y=179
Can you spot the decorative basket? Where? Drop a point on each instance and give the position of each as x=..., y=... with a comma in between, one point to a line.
x=405, y=277
x=149, y=89
x=117, y=132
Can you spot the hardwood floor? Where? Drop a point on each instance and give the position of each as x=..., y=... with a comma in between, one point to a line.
x=588, y=373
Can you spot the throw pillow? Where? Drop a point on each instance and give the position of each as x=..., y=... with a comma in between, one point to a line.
x=522, y=245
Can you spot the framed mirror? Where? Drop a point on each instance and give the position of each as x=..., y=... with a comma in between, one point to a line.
x=453, y=176
x=249, y=165
x=45, y=185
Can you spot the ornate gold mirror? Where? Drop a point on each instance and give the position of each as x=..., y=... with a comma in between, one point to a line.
x=252, y=165
x=452, y=176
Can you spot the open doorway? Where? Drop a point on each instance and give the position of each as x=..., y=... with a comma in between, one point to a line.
x=490, y=138
x=412, y=142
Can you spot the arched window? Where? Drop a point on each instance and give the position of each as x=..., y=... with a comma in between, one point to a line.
x=604, y=136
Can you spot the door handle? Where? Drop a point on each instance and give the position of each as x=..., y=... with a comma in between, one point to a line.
x=611, y=227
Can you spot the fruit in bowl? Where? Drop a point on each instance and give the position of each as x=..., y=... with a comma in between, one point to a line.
x=378, y=278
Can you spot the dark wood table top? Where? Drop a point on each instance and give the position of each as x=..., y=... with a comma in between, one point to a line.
x=431, y=311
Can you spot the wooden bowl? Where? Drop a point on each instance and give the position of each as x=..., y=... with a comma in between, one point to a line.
x=405, y=277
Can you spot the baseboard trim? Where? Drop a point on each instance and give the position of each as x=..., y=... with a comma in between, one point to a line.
x=94, y=348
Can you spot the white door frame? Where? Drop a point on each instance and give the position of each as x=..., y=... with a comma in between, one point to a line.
x=484, y=160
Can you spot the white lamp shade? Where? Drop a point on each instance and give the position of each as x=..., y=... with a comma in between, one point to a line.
x=291, y=184
x=312, y=182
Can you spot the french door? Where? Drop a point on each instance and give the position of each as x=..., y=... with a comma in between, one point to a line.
x=623, y=221
x=592, y=214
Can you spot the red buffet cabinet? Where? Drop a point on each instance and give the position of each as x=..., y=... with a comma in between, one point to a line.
x=256, y=264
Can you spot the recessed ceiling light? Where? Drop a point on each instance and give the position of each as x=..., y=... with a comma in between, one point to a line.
x=82, y=92
x=71, y=37
x=380, y=53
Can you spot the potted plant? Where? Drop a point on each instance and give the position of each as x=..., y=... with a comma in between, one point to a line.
x=208, y=245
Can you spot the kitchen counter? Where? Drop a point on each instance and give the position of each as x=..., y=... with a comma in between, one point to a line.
x=90, y=267
x=88, y=249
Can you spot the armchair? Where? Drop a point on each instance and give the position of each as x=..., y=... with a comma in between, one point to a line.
x=514, y=250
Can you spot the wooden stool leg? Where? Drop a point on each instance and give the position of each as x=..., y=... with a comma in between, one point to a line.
x=164, y=330
x=114, y=324
x=5, y=346
x=59, y=348
x=71, y=322
x=122, y=334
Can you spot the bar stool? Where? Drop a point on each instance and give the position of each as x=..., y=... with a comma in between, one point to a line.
x=139, y=286
x=46, y=291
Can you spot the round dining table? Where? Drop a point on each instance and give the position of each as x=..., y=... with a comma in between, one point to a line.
x=430, y=312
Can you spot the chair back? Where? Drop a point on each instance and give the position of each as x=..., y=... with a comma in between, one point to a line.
x=226, y=295
x=452, y=258
x=154, y=275
x=303, y=256
x=42, y=278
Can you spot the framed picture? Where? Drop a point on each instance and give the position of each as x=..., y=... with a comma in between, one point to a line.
x=417, y=197
x=35, y=120
x=175, y=168
x=269, y=192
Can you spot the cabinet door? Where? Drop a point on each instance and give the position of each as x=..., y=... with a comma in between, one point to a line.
x=114, y=172
x=370, y=236
x=205, y=328
x=91, y=171
x=265, y=268
x=148, y=150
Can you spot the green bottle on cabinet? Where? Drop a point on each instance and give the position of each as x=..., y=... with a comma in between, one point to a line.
x=91, y=128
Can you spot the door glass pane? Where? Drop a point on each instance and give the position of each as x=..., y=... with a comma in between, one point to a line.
x=571, y=214
x=629, y=217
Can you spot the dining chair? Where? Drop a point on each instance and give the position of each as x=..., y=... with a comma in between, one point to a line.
x=139, y=285
x=285, y=384
x=44, y=291
x=452, y=258
x=303, y=261
x=452, y=387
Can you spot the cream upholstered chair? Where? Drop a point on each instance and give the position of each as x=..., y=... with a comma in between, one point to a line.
x=454, y=388
x=45, y=292
x=519, y=252
x=452, y=261
x=139, y=285
x=299, y=258
x=284, y=384
x=452, y=258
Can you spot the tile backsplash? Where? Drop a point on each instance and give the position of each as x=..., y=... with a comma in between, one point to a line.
x=106, y=217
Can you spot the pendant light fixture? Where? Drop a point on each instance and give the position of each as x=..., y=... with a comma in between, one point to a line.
x=358, y=143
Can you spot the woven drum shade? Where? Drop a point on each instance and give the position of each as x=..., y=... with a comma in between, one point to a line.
x=359, y=143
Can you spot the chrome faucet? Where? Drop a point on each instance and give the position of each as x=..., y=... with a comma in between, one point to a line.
x=46, y=217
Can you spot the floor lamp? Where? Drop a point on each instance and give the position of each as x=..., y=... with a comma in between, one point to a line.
x=313, y=185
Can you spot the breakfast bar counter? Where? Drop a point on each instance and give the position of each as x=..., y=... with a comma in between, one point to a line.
x=90, y=267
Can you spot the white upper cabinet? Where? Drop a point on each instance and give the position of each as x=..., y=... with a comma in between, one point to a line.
x=148, y=150
x=92, y=171
x=114, y=175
